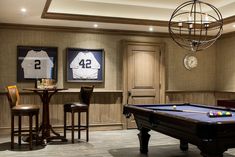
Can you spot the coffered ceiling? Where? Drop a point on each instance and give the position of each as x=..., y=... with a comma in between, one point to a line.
x=133, y=15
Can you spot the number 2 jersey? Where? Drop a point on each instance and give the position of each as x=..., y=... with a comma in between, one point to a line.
x=37, y=64
x=85, y=66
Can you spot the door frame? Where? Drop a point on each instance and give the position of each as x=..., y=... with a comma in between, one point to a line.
x=162, y=85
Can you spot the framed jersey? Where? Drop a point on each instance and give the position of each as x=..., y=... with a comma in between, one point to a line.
x=35, y=62
x=85, y=65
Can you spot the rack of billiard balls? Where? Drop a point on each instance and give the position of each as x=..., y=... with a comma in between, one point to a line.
x=209, y=114
x=219, y=114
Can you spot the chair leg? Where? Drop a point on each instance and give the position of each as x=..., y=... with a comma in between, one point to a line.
x=19, y=130
x=87, y=126
x=30, y=132
x=12, y=131
x=79, y=125
x=36, y=128
x=65, y=124
x=72, y=126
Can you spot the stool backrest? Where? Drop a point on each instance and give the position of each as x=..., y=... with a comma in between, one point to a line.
x=85, y=94
x=13, y=96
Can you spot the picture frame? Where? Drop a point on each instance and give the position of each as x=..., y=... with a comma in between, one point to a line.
x=36, y=62
x=85, y=65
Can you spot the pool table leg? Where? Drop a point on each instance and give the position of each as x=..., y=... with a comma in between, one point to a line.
x=183, y=145
x=211, y=155
x=144, y=140
x=212, y=150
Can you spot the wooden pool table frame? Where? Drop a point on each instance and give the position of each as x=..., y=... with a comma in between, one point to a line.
x=212, y=138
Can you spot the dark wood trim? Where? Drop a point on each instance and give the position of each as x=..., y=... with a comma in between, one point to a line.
x=227, y=35
x=120, y=91
x=224, y=91
x=198, y=91
x=81, y=30
x=77, y=17
x=46, y=7
x=69, y=91
x=229, y=20
x=184, y=91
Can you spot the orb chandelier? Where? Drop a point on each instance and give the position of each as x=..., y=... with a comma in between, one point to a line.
x=195, y=25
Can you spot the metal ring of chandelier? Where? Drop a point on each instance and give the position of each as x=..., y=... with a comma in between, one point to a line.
x=195, y=25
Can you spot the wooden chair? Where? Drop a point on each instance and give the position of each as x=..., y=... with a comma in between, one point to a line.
x=79, y=107
x=20, y=110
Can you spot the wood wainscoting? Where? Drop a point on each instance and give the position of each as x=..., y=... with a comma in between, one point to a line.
x=105, y=110
x=198, y=97
x=106, y=106
x=224, y=95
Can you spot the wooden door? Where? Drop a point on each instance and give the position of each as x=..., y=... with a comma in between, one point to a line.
x=143, y=75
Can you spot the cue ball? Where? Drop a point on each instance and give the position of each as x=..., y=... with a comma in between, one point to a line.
x=174, y=107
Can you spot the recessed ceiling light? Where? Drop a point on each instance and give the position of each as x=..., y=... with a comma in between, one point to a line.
x=23, y=10
x=150, y=28
x=95, y=25
x=234, y=25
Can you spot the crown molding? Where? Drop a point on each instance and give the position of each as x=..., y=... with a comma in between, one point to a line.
x=105, y=19
x=81, y=30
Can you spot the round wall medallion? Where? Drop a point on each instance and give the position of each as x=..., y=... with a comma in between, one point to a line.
x=190, y=61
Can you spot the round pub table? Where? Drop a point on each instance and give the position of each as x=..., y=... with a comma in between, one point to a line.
x=46, y=128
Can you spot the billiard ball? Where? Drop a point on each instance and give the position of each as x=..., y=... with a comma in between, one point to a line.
x=219, y=113
x=228, y=114
x=211, y=114
x=174, y=107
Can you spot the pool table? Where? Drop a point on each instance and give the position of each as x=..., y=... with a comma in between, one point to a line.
x=187, y=122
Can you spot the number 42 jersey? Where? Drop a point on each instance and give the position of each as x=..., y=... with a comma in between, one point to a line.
x=85, y=66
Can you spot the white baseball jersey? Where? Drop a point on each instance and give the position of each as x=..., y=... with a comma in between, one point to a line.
x=37, y=64
x=85, y=66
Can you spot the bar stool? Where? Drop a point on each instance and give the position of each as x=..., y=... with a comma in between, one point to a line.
x=20, y=110
x=79, y=107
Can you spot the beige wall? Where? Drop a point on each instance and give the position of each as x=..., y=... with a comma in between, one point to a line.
x=12, y=38
x=106, y=107
x=199, y=79
x=225, y=64
x=177, y=77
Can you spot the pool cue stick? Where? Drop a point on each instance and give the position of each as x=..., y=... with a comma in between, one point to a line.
x=176, y=110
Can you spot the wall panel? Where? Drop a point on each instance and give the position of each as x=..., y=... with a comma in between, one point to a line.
x=225, y=96
x=177, y=77
x=197, y=97
x=105, y=109
x=225, y=64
